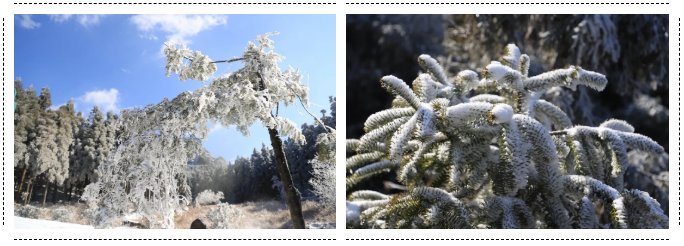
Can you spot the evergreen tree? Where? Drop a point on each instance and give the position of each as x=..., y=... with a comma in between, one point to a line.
x=79, y=166
x=44, y=148
x=95, y=140
x=45, y=99
x=64, y=139
x=25, y=119
x=300, y=155
x=323, y=164
x=112, y=129
x=471, y=152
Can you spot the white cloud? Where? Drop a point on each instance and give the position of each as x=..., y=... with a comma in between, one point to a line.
x=84, y=20
x=177, y=27
x=106, y=100
x=89, y=20
x=27, y=22
x=60, y=18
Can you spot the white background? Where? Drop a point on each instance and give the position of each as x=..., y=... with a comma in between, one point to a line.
x=340, y=236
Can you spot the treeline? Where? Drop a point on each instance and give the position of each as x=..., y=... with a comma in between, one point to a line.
x=255, y=177
x=57, y=150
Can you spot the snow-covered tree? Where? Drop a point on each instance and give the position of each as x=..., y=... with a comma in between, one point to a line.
x=43, y=139
x=299, y=156
x=323, y=170
x=64, y=117
x=25, y=119
x=44, y=148
x=471, y=152
x=79, y=167
x=323, y=164
x=278, y=187
x=208, y=173
x=147, y=172
x=251, y=94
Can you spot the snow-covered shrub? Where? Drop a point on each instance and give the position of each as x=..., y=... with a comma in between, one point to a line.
x=471, y=152
x=321, y=225
x=222, y=216
x=207, y=197
x=27, y=211
x=62, y=214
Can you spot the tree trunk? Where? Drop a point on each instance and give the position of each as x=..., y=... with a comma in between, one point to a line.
x=21, y=184
x=292, y=195
x=30, y=191
x=55, y=192
x=68, y=192
x=47, y=186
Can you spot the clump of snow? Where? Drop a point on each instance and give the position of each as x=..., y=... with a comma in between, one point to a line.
x=502, y=113
x=498, y=70
x=619, y=125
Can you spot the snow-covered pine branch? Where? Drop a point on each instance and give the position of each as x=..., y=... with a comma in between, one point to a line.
x=487, y=152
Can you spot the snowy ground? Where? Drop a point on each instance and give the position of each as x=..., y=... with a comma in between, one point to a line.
x=250, y=215
x=33, y=224
x=25, y=223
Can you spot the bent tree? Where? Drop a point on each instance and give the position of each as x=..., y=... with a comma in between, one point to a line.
x=248, y=95
x=158, y=140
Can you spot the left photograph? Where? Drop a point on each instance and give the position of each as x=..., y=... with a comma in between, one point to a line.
x=174, y=121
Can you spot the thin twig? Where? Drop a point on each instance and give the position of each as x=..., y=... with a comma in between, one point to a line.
x=312, y=115
x=221, y=61
x=277, y=109
x=230, y=60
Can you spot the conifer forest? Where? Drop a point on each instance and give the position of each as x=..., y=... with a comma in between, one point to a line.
x=507, y=121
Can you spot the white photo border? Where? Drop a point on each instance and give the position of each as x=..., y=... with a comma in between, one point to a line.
x=340, y=9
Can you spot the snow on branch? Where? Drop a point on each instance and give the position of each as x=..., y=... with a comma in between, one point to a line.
x=471, y=152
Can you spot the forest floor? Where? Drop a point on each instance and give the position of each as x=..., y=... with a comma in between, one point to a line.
x=264, y=215
x=251, y=215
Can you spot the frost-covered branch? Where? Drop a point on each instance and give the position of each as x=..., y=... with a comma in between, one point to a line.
x=473, y=152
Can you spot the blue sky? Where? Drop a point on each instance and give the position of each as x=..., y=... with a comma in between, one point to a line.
x=115, y=61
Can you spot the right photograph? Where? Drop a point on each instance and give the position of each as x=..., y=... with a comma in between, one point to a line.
x=507, y=121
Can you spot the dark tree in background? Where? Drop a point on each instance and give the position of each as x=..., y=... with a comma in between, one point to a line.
x=382, y=44
x=631, y=50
